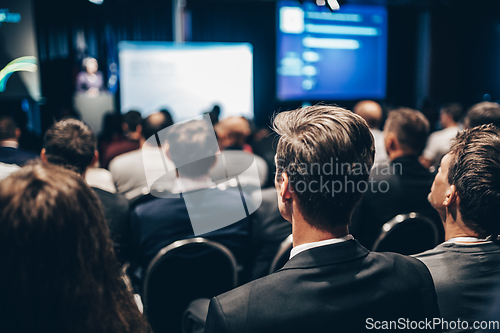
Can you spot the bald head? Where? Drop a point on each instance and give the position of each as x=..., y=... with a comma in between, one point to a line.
x=370, y=111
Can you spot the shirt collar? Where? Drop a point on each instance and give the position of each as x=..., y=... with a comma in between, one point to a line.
x=302, y=247
x=10, y=144
x=468, y=240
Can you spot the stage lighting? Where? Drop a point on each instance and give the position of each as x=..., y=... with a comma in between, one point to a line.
x=97, y=2
x=332, y=4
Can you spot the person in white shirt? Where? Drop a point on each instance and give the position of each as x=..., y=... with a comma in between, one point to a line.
x=439, y=141
x=129, y=169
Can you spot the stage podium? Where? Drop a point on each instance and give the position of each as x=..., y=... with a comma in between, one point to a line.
x=93, y=109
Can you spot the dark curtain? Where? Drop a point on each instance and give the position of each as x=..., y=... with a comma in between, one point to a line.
x=243, y=21
x=68, y=31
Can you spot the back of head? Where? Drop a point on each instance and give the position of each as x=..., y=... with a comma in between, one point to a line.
x=132, y=119
x=483, y=113
x=410, y=127
x=154, y=123
x=70, y=143
x=187, y=142
x=455, y=110
x=233, y=131
x=475, y=172
x=57, y=257
x=370, y=111
x=7, y=129
x=327, y=153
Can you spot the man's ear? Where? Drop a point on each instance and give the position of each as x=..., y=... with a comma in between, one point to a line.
x=95, y=159
x=451, y=196
x=391, y=142
x=18, y=133
x=43, y=155
x=138, y=129
x=284, y=189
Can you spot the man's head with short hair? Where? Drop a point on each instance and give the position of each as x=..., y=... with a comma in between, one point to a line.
x=70, y=143
x=8, y=129
x=406, y=131
x=315, y=145
x=483, y=113
x=154, y=123
x=232, y=131
x=469, y=177
x=370, y=111
x=450, y=114
x=131, y=120
x=188, y=141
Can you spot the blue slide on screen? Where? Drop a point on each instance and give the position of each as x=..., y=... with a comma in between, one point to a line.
x=325, y=55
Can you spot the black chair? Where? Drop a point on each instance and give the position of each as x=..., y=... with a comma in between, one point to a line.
x=407, y=234
x=182, y=272
x=282, y=255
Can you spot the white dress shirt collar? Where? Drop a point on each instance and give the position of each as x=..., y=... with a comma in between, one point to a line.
x=302, y=247
x=10, y=144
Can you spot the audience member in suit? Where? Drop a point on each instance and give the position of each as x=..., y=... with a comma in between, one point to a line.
x=129, y=169
x=72, y=144
x=401, y=186
x=269, y=229
x=9, y=146
x=439, y=141
x=201, y=205
x=264, y=145
x=331, y=282
x=232, y=133
x=466, y=194
x=132, y=127
x=372, y=113
x=483, y=113
x=59, y=273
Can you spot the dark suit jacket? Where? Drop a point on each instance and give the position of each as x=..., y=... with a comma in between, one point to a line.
x=400, y=188
x=19, y=157
x=116, y=211
x=161, y=221
x=333, y=288
x=269, y=229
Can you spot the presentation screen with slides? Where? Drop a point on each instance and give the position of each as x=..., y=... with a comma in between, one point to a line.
x=323, y=55
x=187, y=79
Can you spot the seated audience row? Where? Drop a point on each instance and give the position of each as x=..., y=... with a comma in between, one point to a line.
x=330, y=276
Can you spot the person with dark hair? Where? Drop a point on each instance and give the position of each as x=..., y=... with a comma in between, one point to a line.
x=331, y=282
x=72, y=144
x=171, y=216
x=399, y=187
x=9, y=144
x=466, y=194
x=132, y=128
x=232, y=133
x=129, y=169
x=481, y=114
x=372, y=113
x=439, y=142
x=59, y=271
